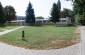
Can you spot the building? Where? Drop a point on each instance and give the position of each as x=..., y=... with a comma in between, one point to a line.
x=41, y=21
x=64, y=21
x=20, y=20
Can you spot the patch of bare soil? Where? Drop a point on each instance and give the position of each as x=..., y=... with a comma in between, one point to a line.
x=57, y=44
x=63, y=43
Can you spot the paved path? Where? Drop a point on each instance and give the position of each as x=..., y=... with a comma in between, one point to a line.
x=83, y=40
x=7, y=31
x=13, y=50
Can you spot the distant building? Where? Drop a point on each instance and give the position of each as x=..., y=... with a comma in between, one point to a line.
x=20, y=20
x=64, y=21
x=42, y=21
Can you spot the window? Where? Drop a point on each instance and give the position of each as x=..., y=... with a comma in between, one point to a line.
x=63, y=20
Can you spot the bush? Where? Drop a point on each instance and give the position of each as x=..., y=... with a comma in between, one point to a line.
x=71, y=25
x=82, y=21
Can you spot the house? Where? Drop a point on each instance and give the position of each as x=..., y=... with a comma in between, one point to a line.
x=41, y=21
x=64, y=21
x=20, y=20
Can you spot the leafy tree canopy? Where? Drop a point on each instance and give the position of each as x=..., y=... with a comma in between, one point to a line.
x=40, y=17
x=10, y=13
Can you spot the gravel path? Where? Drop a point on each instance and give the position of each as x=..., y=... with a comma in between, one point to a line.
x=83, y=40
x=13, y=50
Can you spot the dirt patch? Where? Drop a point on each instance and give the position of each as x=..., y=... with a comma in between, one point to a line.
x=57, y=44
x=77, y=30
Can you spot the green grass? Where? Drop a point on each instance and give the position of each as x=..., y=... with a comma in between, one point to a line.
x=1, y=30
x=42, y=37
x=7, y=28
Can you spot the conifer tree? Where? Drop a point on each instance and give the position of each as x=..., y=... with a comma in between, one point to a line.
x=30, y=16
x=2, y=19
x=55, y=12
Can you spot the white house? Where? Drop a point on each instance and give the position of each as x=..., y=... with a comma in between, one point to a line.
x=20, y=20
x=64, y=21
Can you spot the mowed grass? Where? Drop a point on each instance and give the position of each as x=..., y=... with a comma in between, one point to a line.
x=42, y=37
x=8, y=27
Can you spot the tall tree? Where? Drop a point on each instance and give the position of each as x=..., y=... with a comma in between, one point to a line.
x=39, y=17
x=68, y=13
x=79, y=10
x=30, y=16
x=59, y=5
x=10, y=13
x=2, y=19
x=55, y=12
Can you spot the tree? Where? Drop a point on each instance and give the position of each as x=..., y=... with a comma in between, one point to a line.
x=30, y=16
x=40, y=17
x=2, y=19
x=55, y=13
x=9, y=13
x=59, y=5
x=79, y=9
x=67, y=13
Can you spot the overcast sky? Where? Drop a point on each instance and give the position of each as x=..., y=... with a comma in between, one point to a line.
x=41, y=7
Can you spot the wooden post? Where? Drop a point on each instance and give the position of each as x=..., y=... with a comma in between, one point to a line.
x=23, y=37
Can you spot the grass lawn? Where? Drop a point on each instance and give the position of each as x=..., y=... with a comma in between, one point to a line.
x=7, y=28
x=42, y=37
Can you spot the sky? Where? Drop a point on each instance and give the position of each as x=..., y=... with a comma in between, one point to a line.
x=41, y=7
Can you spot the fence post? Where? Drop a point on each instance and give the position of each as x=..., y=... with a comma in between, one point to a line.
x=23, y=37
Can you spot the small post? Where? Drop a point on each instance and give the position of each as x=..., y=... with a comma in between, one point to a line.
x=23, y=37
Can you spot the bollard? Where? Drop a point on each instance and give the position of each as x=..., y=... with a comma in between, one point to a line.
x=23, y=37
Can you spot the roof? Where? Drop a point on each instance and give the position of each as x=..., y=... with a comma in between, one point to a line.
x=17, y=20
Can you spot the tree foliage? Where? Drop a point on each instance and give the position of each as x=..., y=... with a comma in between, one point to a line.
x=2, y=19
x=55, y=12
x=30, y=16
x=59, y=5
x=79, y=9
x=10, y=13
x=66, y=13
x=40, y=17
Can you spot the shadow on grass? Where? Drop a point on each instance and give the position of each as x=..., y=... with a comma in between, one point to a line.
x=24, y=40
x=38, y=26
x=3, y=26
x=65, y=25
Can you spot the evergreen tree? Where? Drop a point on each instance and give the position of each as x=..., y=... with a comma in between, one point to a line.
x=55, y=12
x=2, y=19
x=59, y=5
x=30, y=16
